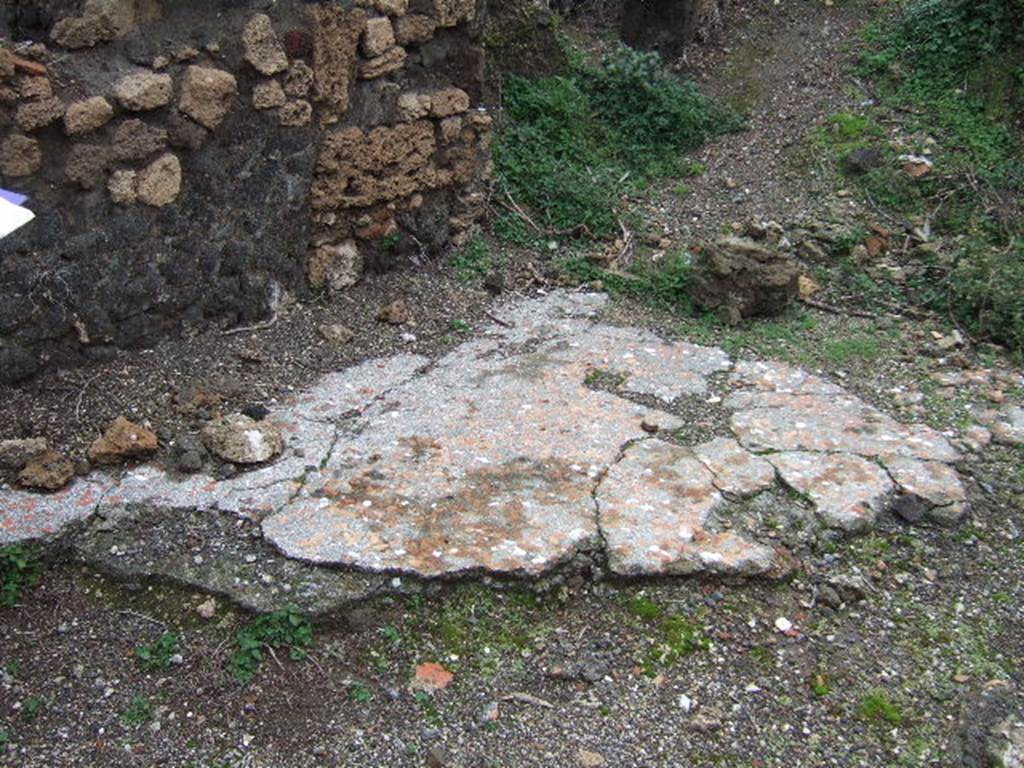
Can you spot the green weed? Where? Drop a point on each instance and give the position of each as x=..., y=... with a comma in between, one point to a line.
x=645, y=608
x=676, y=636
x=360, y=693
x=158, y=655
x=819, y=684
x=139, y=712
x=287, y=628
x=19, y=569
x=31, y=708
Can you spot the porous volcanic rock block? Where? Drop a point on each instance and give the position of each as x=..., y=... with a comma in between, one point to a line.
x=359, y=169
x=87, y=115
x=19, y=155
x=159, y=183
x=144, y=91
x=208, y=95
x=33, y=115
x=336, y=35
x=262, y=48
x=378, y=37
x=99, y=21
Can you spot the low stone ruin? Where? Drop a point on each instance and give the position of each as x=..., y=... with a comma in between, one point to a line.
x=189, y=161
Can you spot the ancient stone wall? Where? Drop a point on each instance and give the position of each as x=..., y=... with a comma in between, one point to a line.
x=191, y=162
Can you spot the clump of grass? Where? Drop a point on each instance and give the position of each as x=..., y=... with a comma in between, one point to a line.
x=474, y=260
x=139, y=712
x=20, y=569
x=474, y=626
x=843, y=351
x=878, y=707
x=676, y=636
x=570, y=146
x=286, y=628
x=663, y=284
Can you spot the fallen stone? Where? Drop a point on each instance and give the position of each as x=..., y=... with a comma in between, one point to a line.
x=207, y=95
x=337, y=333
x=984, y=733
x=123, y=441
x=241, y=440
x=207, y=609
x=395, y=313
x=15, y=454
x=144, y=91
x=496, y=458
x=88, y=115
x=928, y=489
x=49, y=471
x=431, y=677
x=1008, y=426
x=741, y=278
x=262, y=48
x=847, y=491
x=335, y=267
x=19, y=156
x=781, y=408
x=864, y=159
x=585, y=758
x=159, y=183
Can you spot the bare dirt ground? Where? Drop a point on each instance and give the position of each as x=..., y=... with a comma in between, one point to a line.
x=888, y=639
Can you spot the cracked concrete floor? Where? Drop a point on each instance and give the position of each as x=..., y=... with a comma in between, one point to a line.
x=548, y=439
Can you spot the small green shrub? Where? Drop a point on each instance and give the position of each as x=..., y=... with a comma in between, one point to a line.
x=957, y=64
x=19, y=569
x=985, y=291
x=287, y=628
x=158, y=655
x=570, y=146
